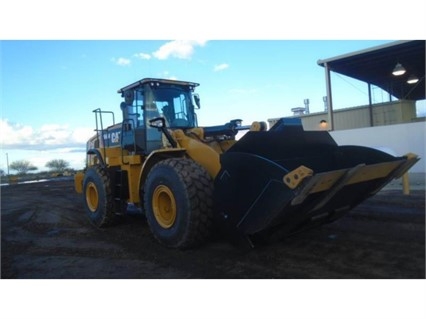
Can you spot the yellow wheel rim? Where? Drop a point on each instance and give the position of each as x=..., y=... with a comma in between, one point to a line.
x=92, y=197
x=164, y=206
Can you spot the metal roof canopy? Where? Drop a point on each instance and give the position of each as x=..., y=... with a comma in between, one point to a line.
x=375, y=66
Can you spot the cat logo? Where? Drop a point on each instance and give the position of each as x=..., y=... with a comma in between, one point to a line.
x=115, y=137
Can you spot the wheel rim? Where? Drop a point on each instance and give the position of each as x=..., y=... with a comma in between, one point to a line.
x=92, y=197
x=164, y=206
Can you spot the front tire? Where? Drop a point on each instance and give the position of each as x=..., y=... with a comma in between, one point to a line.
x=178, y=200
x=98, y=199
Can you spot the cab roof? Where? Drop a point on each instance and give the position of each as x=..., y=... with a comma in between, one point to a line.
x=154, y=80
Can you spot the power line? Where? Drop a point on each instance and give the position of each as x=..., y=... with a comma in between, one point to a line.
x=351, y=84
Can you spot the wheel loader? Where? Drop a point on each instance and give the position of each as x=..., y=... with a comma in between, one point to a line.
x=191, y=181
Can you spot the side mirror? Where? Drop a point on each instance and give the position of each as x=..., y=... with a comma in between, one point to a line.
x=158, y=122
x=197, y=100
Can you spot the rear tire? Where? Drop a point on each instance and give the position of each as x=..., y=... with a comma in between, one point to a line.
x=98, y=200
x=178, y=200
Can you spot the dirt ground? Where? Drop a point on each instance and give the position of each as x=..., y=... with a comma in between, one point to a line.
x=45, y=234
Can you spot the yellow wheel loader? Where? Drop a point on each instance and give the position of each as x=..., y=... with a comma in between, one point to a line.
x=190, y=181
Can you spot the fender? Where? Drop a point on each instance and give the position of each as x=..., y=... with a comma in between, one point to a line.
x=97, y=153
x=154, y=158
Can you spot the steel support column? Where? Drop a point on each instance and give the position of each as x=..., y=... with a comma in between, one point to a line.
x=329, y=97
x=370, y=105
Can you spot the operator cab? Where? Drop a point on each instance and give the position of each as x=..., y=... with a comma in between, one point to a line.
x=152, y=98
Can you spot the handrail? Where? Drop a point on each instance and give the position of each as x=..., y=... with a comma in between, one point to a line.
x=99, y=112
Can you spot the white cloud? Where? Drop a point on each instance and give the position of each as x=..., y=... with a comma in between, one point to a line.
x=39, y=145
x=81, y=134
x=121, y=61
x=49, y=136
x=220, y=67
x=143, y=56
x=180, y=49
x=14, y=133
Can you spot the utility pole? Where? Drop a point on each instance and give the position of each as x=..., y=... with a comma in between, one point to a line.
x=7, y=162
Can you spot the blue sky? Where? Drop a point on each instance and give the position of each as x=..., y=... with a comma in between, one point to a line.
x=49, y=88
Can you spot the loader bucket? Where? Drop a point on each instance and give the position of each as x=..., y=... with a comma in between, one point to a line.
x=287, y=179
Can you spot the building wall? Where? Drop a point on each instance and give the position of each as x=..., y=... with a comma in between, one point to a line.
x=393, y=113
x=398, y=140
x=396, y=129
x=401, y=111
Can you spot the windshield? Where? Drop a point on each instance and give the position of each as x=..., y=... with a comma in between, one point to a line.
x=175, y=105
